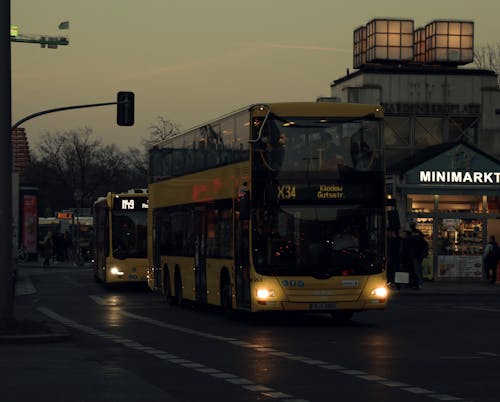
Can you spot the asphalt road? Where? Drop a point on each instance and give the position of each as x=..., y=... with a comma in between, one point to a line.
x=128, y=345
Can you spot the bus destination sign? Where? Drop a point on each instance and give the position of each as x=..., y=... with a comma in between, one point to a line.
x=322, y=192
x=130, y=204
x=332, y=192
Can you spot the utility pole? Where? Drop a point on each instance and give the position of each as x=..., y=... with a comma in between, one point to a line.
x=125, y=117
x=6, y=263
x=7, y=35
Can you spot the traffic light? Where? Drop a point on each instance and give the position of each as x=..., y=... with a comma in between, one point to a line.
x=125, y=109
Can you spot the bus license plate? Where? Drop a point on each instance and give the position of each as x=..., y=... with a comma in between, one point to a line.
x=322, y=306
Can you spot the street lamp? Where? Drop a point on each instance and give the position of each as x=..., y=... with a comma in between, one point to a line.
x=49, y=41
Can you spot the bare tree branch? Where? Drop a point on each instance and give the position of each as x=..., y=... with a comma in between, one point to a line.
x=163, y=129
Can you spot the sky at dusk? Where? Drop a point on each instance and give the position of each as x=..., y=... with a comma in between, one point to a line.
x=191, y=61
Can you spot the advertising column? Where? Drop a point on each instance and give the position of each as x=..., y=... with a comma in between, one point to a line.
x=28, y=223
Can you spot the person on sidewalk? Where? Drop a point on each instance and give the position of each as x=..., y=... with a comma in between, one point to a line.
x=419, y=250
x=47, y=248
x=406, y=258
x=393, y=257
x=491, y=257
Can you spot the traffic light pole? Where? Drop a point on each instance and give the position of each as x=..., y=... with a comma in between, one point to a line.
x=6, y=222
x=58, y=109
x=6, y=263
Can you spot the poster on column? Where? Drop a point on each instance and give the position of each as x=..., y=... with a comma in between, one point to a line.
x=30, y=223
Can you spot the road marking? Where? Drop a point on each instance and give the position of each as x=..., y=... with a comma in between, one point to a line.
x=307, y=360
x=353, y=372
x=446, y=398
x=479, y=308
x=491, y=354
x=461, y=357
x=171, y=358
x=395, y=384
x=417, y=390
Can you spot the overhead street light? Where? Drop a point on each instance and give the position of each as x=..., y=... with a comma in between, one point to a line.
x=49, y=41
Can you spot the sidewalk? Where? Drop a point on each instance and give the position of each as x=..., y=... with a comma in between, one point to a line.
x=34, y=327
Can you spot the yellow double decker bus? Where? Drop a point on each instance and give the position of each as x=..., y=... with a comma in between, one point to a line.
x=274, y=207
x=120, y=237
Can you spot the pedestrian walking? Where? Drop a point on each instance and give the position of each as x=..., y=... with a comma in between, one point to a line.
x=491, y=257
x=47, y=248
x=68, y=246
x=419, y=250
x=406, y=256
x=393, y=256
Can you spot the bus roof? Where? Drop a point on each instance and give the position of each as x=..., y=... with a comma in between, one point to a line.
x=305, y=109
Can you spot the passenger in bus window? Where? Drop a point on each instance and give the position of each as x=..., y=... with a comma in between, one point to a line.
x=276, y=152
x=335, y=155
x=361, y=154
x=346, y=239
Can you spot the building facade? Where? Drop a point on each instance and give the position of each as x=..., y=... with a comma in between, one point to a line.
x=441, y=135
x=20, y=150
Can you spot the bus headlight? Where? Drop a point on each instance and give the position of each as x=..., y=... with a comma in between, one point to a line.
x=380, y=292
x=116, y=271
x=264, y=294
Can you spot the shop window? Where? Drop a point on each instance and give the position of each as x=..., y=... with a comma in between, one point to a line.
x=463, y=128
x=493, y=204
x=420, y=202
x=397, y=131
x=428, y=131
x=460, y=203
x=460, y=237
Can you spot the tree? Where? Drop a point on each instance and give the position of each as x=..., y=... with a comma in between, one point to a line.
x=488, y=57
x=163, y=129
x=159, y=131
x=72, y=169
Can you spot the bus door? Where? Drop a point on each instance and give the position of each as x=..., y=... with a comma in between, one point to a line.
x=242, y=262
x=157, y=239
x=200, y=254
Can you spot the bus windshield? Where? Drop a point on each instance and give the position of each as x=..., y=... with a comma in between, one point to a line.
x=321, y=241
x=129, y=234
x=318, y=144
